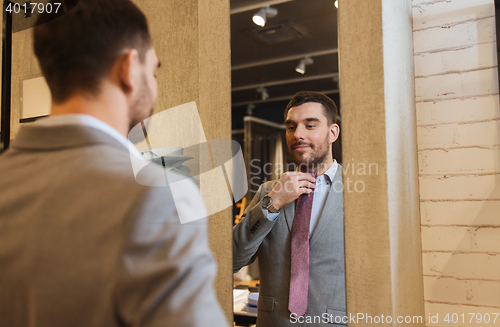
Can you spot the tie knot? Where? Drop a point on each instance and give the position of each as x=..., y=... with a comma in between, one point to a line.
x=313, y=174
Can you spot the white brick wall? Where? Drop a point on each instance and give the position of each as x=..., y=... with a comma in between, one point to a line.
x=455, y=36
x=468, y=110
x=479, y=266
x=479, y=56
x=459, y=161
x=427, y=14
x=457, y=85
x=462, y=291
x=458, y=118
x=460, y=187
x=460, y=213
x=467, y=134
x=460, y=239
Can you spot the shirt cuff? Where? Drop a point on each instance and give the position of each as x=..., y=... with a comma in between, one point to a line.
x=271, y=216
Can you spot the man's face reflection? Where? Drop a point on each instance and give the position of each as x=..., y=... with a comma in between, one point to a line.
x=308, y=135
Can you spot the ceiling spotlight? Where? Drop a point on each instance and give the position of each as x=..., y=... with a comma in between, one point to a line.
x=263, y=93
x=261, y=16
x=337, y=4
x=301, y=67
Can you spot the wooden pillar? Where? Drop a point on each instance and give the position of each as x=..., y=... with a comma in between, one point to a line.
x=191, y=38
x=382, y=225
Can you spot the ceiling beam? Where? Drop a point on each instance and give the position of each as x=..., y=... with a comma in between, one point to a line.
x=287, y=97
x=284, y=81
x=253, y=6
x=286, y=58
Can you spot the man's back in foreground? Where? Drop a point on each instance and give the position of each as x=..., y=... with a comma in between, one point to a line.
x=82, y=243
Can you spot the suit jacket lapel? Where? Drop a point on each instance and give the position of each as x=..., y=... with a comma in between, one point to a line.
x=333, y=202
x=289, y=214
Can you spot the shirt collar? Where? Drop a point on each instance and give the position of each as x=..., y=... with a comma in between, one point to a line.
x=330, y=172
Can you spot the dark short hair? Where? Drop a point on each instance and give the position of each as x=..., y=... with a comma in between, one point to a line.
x=310, y=96
x=77, y=49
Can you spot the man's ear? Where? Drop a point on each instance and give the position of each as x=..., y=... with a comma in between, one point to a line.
x=128, y=70
x=334, y=132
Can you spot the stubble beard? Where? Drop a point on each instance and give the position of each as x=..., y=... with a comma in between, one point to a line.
x=136, y=112
x=315, y=161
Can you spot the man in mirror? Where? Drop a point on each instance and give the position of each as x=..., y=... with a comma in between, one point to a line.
x=295, y=225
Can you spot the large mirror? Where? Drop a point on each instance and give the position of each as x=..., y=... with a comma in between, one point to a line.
x=279, y=48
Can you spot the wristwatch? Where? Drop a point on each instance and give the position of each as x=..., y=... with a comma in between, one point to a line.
x=267, y=203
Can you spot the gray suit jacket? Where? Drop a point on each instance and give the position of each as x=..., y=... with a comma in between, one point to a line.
x=83, y=244
x=256, y=236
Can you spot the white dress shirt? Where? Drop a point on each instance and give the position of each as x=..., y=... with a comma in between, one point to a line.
x=323, y=184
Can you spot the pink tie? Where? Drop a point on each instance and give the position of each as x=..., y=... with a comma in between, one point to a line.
x=299, y=272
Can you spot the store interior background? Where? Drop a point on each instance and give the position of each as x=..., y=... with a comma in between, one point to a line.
x=264, y=79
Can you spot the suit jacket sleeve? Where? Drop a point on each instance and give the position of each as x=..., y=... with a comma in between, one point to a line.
x=167, y=268
x=249, y=233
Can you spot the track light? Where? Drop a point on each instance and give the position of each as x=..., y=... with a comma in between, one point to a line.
x=301, y=67
x=261, y=16
x=263, y=93
x=336, y=80
x=250, y=109
x=337, y=4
